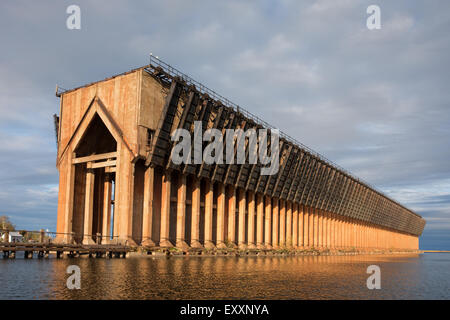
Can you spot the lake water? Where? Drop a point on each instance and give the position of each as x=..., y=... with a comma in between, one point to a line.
x=425, y=276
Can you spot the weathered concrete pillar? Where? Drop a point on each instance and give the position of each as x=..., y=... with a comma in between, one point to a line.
x=181, y=212
x=164, y=240
x=316, y=228
x=368, y=244
x=333, y=237
x=268, y=223
x=376, y=239
x=363, y=235
x=323, y=232
x=329, y=229
x=364, y=230
x=373, y=241
x=301, y=217
x=195, y=216
x=381, y=238
x=347, y=233
x=324, y=229
x=231, y=215
x=124, y=195
x=295, y=225
x=89, y=207
x=333, y=231
x=360, y=234
x=320, y=228
x=333, y=243
x=275, y=222
x=311, y=227
x=241, y=227
x=327, y=236
x=148, y=207
x=288, y=224
x=68, y=205
x=391, y=242
x=340, y=232
x=259, y=220
x=106, y=225
x=388, y=240
x=251, y=220
x=209, y=192
x=373, y=237
x=336, y=231
x=346, y=230
x=350, y=233
x=220, y=216
x=282, y=223
x=305, y=227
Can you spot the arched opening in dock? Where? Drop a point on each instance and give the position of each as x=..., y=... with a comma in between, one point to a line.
x=93, y=204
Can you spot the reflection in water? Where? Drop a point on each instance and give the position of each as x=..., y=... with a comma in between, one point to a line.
x=310, y=277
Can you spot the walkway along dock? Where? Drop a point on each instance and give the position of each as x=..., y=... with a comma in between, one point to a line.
x=45, y=247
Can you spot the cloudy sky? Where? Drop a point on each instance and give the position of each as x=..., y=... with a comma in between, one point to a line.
x=376, y=102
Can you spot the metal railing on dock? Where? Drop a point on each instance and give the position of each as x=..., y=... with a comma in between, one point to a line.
x=44, y=243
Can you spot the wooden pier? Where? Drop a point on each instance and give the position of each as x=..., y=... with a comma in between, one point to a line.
x=43, y=250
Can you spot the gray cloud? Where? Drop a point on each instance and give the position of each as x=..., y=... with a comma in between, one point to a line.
x=375, y=102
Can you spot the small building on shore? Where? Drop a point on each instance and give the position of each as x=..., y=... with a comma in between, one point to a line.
x=13, y=236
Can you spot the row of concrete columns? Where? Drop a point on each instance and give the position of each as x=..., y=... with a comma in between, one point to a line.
x=89, y=210
x=264, y=222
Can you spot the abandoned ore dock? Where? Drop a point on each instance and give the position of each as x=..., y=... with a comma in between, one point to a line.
x=119, y=191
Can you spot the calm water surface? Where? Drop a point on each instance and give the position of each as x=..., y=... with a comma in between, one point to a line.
x=425, y=276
